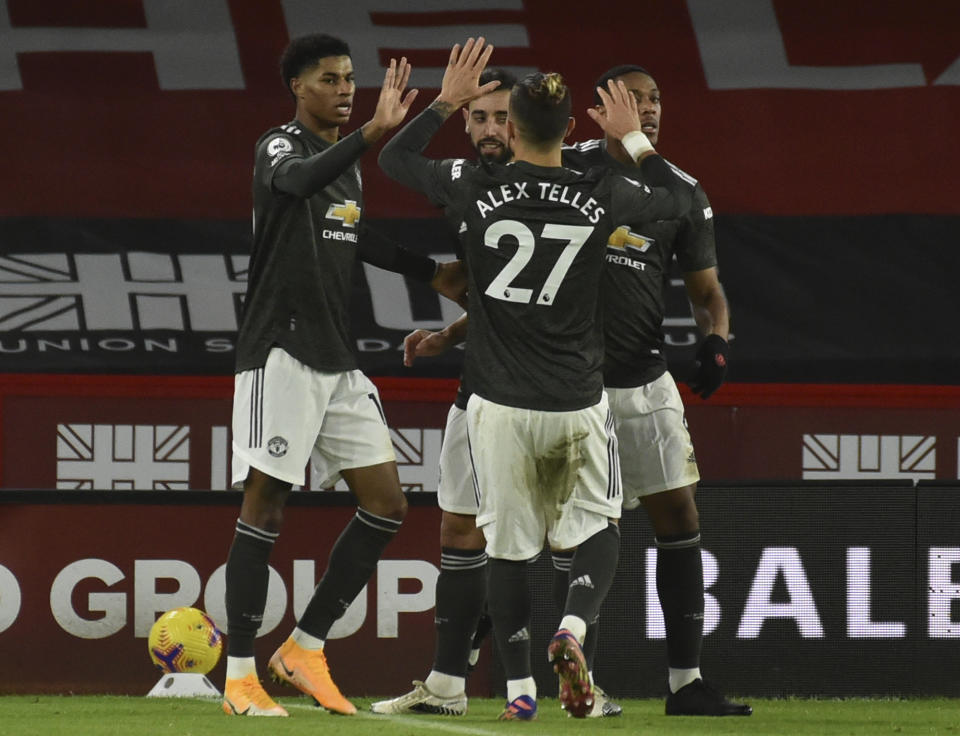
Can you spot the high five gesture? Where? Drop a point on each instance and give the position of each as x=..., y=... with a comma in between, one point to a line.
x=461, y=80
x=392, y=106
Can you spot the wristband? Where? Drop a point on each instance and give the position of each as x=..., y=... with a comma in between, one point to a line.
x=636, y=143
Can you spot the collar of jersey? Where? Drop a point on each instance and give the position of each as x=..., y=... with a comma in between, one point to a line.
x=542, y=172
x=310, y=136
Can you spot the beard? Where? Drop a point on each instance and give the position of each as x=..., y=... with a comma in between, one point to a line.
x=504, y=155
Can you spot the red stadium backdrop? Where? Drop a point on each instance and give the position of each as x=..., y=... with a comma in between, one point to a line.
x=825, y=588
x=166, y=432
x=138, y=108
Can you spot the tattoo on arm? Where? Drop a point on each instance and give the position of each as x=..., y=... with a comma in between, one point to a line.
x=444, y=108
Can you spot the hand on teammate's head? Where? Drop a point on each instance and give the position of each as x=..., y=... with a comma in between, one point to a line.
x=618, y=115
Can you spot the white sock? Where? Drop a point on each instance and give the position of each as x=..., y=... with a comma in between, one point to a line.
x=679, y=678
x=240, y=667
x=516, y=688
x=306, y=640
x=445, y=686
x=576, y=625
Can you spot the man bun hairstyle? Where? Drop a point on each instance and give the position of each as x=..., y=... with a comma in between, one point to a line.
x=540, y=107
x=617, y=71
x=305, y=52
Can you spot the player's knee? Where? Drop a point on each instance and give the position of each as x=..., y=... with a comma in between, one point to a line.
x=389, y=506
x=264, y=498
x=267, y=519
x=459, y=531
x=465, y=539
x=690, y=519
x=673, y=512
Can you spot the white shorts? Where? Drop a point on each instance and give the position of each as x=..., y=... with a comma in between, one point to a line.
x=656, y=453
x=542, y=474
x=287, y=413
x=456, y=492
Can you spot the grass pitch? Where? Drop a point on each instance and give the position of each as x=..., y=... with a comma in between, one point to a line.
x=48, y=715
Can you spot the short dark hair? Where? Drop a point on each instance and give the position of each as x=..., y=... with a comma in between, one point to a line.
x=305, y=51
x=496, y=74
x=540, y=107
x=617, y=71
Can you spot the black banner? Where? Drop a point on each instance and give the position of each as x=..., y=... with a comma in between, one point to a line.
x=816, y=299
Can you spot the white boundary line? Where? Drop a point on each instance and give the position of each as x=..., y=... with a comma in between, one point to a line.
x=420, y=722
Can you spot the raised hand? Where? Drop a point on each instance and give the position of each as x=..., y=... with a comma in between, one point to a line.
x=461, y=80
x=619, y=115
x=393, y=105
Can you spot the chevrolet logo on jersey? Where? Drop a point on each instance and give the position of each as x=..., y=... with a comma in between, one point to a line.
x=622, y=238
x=348, y=212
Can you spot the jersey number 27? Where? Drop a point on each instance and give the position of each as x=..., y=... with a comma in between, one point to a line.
x=501, y=286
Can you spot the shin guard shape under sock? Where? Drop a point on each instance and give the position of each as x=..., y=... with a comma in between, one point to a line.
x=247, y=577
x=591, y=573
x=461, y=591
x=680, y=587
x=352, y=561
x=508, y=601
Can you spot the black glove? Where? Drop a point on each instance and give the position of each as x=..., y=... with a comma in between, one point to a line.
x=711, y=366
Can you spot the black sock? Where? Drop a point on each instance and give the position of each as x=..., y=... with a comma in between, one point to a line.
x=484, y=625
x=247, y=576
x=561, y=578
x=508, y=600
x=352, y=561
x=560, y=588
x=680, y=587
x=591, y=573
x=461, y=591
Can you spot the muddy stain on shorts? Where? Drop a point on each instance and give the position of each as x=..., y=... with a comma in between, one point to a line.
x=558, y=470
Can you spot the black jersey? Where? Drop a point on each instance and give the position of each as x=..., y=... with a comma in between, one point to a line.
x=534, y=240
x=637, y=266
x=304, y=248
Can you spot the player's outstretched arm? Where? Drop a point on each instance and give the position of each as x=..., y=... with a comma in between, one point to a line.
x=304, y=177
x=393, y=105
x=384, y=252
x=401, y=158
